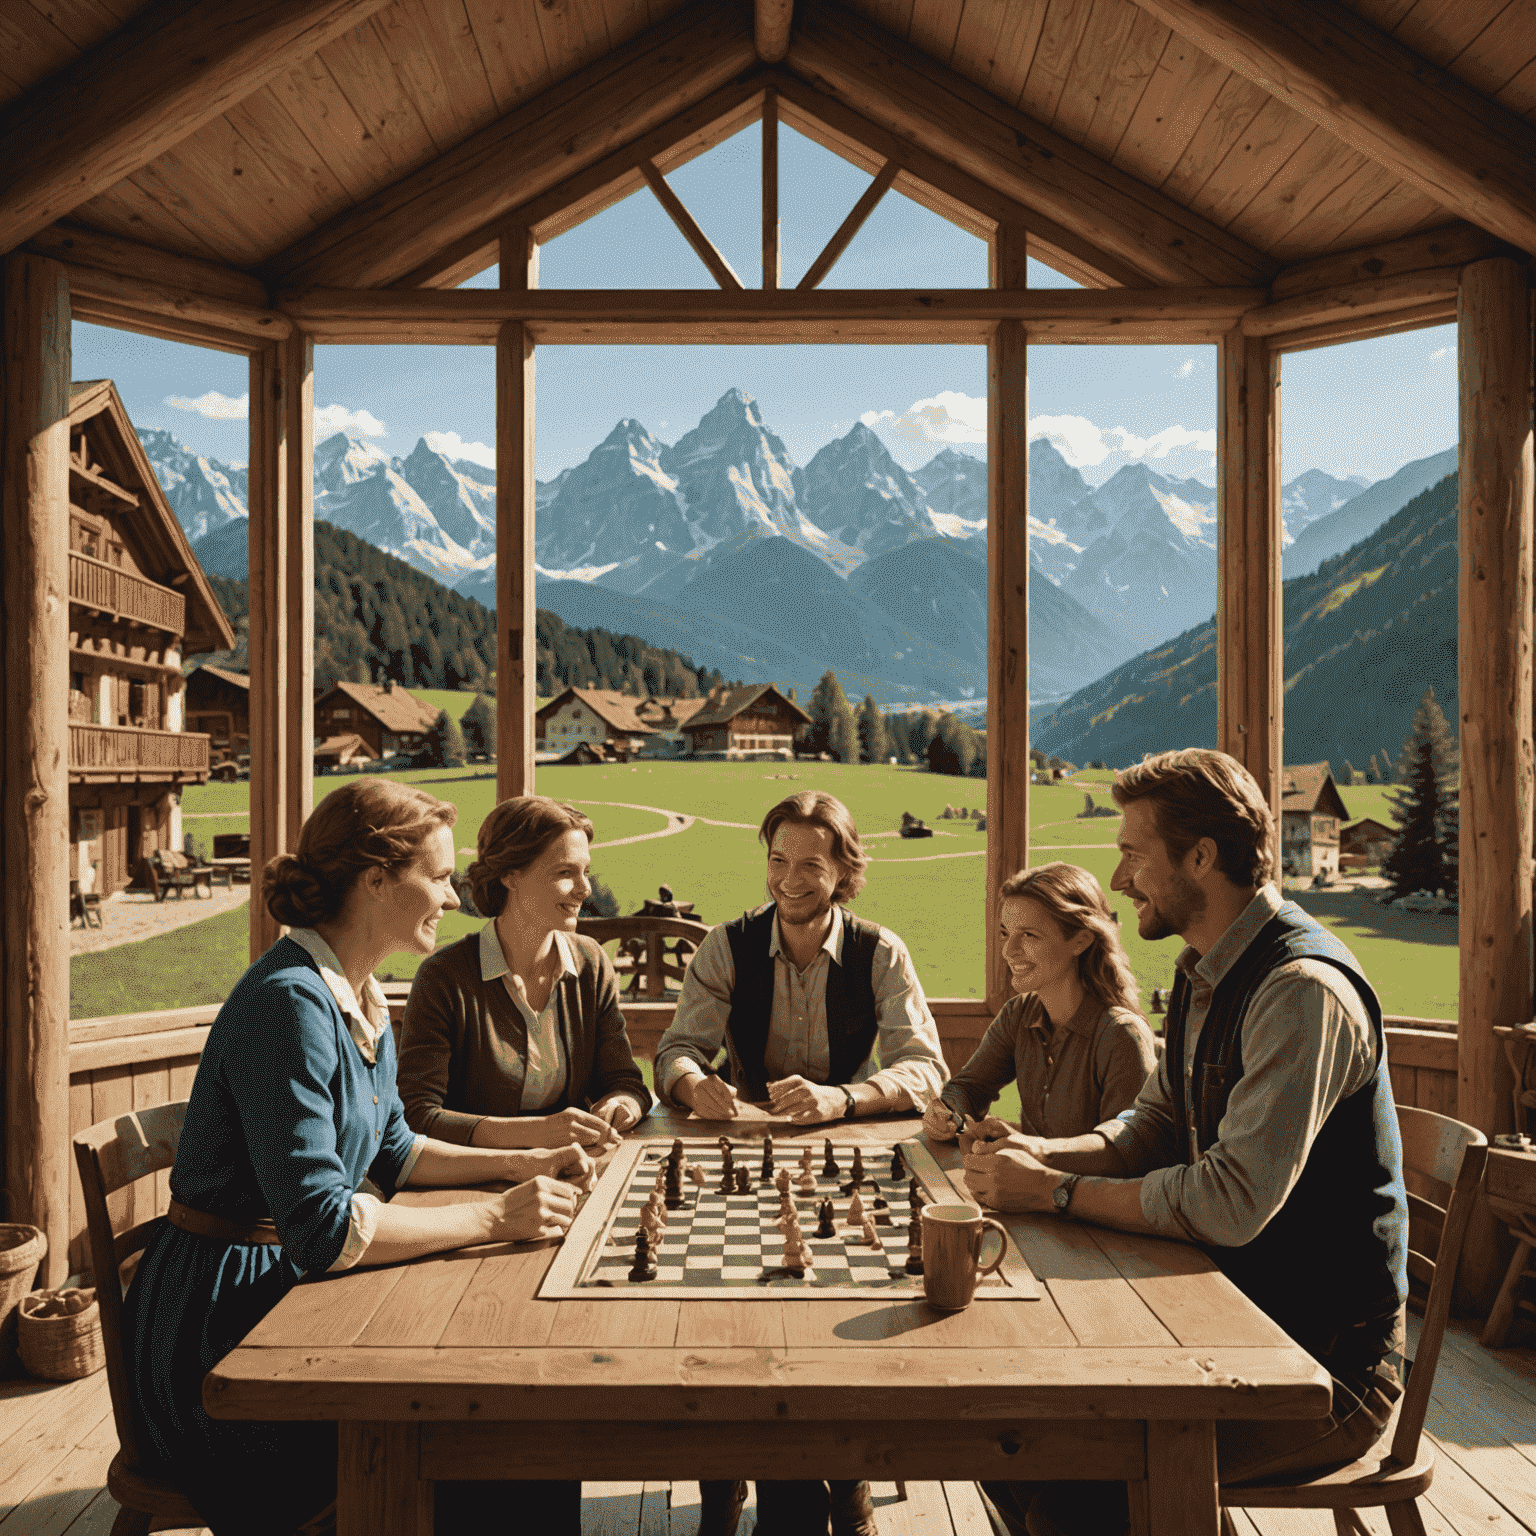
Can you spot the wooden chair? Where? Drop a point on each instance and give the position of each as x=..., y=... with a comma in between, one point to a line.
x=110, y=1155
x=1443, y=1163
x=644, y=957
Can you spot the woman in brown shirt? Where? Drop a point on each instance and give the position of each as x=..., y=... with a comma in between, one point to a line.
x=1073, y=1036
x=513, y=1036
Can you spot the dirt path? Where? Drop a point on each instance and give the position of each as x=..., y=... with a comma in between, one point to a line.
x=126, y=919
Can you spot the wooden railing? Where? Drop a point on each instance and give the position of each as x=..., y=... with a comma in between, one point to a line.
x=95, y=584
x=124, y=748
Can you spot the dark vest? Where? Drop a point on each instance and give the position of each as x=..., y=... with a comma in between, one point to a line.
x=851, y=1021
x=1330, y=1265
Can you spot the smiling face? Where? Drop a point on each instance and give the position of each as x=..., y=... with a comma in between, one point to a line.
x=416, y=897
x=1039, y=954
x=802, y=874
x=1166, y=899
x=546, y=895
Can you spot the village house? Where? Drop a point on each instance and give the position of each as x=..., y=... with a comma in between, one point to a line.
x=591, y=717
x=346, y=751
x=219, y=704
x=1311, y=813
x=1364, y=842
x=388, y=718
x=750, y=723
x=667, y=717
x=137, y=599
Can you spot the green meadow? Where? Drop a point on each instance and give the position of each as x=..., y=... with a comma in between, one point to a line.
x=930, y=891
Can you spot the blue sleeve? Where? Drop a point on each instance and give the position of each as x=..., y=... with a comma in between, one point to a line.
x=284, y=1077
x=399, y=1139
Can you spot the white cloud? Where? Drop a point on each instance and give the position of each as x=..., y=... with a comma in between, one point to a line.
x=213, y=405
x=331, y=419
x=1082, y=444
x=452, y=446
x=1440, y=352
x=948, y=417
x=1185, y=368
x=1160, y=444
x=874, y=418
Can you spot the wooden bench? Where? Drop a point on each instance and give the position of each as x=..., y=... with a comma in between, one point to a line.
x=172, y=871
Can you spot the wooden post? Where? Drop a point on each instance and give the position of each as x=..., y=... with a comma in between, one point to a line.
x=1250, y=638
x=516, y=668
x=771, y=255
x=35, y=546
x=1007, y=600
x=282, y=582
x=1494, y=687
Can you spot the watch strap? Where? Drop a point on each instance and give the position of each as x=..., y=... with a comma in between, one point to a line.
x=852, y=1108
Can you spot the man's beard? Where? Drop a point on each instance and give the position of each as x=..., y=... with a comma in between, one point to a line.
x=1183, y=905
x=811, y=918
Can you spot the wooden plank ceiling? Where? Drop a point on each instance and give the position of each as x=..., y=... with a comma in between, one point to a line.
x=418, y=77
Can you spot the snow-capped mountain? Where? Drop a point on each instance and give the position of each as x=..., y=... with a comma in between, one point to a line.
x=206, y=494
x=1313, y=495
x=854, y=490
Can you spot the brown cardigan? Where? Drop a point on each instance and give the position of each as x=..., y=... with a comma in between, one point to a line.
x=464, y=1044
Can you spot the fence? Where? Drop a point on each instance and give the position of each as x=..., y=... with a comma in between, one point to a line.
x=95, y=584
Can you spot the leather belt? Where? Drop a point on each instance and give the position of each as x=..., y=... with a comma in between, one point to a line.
x=220, y=1229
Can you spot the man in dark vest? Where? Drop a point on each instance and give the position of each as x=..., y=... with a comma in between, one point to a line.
x=801, y=993
x=1267, y=1135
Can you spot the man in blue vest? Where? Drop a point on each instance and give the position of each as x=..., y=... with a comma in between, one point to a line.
x=801, y=993
x=1267, y=1136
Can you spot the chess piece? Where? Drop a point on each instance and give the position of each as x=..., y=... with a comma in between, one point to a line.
x=829, y=1168
x=867, y=1234
x=725, y=1143
x=805, y=1161
x=826, y=1223
x=743, y=1182
x=781, y=1181
x=658, y=1209
x=898, y=1165
x=676, y=1154
x=796, y=1255
x=674, y=1187
x=697, y=1174
x=644, y=1267
x=914, y=1264
x=858, y=1167
x=855, y=1210
x=880, y=1202
x=767, y=1159
x=807, y=1181
x=915, y=1200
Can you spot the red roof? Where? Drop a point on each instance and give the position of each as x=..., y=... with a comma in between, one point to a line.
x=395, y=709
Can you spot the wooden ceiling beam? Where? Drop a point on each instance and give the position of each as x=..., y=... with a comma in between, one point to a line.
x=770, y=28
x=1471, y=155
x=78, y=247
x=157, y=301
x=1345, y=301
x=907, y=92
x=620, y=96
x=175, y=66
x=1455, y=245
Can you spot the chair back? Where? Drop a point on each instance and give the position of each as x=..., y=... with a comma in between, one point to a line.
x=643, y=955
x=110, y=1155
x=1443, y=1162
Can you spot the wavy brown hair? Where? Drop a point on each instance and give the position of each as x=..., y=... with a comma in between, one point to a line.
x=1077, y=904
x=511, y=838
x=815, y=808
x=1199, y=792
x=367, y=824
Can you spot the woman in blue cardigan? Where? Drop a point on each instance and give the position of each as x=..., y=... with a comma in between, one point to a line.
x=294, y=1106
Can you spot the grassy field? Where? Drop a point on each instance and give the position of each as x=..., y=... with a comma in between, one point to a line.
x=930, y=891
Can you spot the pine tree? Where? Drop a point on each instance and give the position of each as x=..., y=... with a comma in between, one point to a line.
x=874, y=739
x=832, y=724
x=444, y=747
x=479, y=726
x=1348, y=776
x=1424, y=856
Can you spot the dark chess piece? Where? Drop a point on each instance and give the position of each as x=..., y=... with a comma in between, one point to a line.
x=915, y=1200
x=829, y=1168
x=728, y=1175
x=826, y=1225
x=767, y=1159
x=725, y=1143
x=856, y=1173
x=914, y=1264
x=880, y=1203
x=676, y=1154
x=743, y=1182
x=898, y=1165
x=673, y=1189
x=644, y=1265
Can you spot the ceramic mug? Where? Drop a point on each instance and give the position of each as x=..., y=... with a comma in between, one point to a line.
x=952, y=1239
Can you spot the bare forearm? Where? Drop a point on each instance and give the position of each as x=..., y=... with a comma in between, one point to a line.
x=443, y=1163
x=1110, y=1203
x=1088, y=1153
x=500, y=1132
x=406, y=1232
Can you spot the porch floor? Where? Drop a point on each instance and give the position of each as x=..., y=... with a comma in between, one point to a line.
x=56, y=1442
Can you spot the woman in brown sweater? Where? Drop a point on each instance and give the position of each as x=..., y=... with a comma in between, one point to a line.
x=513, y=1036
x=1073, y=1035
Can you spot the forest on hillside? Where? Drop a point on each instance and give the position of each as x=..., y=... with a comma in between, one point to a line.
x=377, y=617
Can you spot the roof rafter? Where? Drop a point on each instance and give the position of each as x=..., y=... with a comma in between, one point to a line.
x=1378, y=96
x=904, y=90
x=177, y=65
x=627, y=92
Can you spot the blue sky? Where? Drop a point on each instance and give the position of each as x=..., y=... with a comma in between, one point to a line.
x=1362, y=409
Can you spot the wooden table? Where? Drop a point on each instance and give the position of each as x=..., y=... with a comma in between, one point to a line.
x=450, y=1368
x=1510, y=1187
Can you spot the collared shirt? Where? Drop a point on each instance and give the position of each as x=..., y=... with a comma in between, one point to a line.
x=546, y=1070
x=1070, y=1076
x=1307, y=1044
x=912, y=1066
x=367, y=1019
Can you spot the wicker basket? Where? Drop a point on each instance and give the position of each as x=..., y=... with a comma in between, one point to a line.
x=21, y=1251
x=60, y=1348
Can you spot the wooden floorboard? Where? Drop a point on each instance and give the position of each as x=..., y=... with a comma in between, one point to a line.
x=57, y=1439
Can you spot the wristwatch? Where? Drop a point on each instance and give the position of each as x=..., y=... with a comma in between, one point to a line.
x=1061, y=1196
x=852, y=1109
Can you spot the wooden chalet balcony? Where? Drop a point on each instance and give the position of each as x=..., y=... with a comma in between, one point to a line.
x=106, y=589
x=105, y=754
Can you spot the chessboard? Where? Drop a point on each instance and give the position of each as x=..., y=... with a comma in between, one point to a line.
x=718, y=1246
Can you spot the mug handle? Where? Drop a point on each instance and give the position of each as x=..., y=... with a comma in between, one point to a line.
x=982, y=1270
